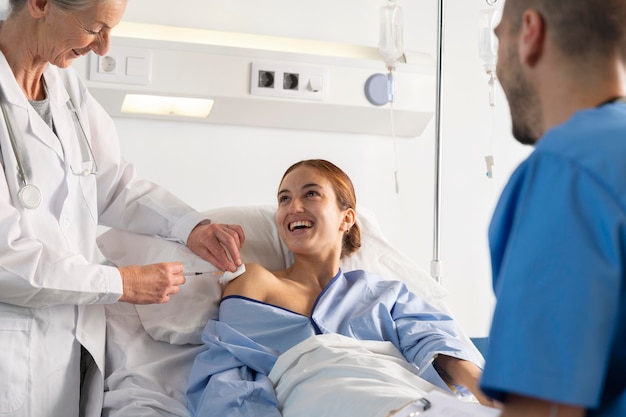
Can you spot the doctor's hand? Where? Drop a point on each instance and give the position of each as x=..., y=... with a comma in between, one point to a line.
x=218, y=244
x=151, y=284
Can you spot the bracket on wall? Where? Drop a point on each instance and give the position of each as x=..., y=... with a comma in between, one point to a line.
x=377, y=89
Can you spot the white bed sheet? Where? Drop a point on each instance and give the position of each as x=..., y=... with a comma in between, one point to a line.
x=144, y=377
x=333, y=375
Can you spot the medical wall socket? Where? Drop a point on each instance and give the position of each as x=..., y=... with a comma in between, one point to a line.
x=122, y=65
x=275, y=79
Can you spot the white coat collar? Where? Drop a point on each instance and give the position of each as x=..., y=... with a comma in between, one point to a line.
x=25, y=115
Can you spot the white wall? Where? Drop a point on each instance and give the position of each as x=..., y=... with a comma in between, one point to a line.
x=211, y=166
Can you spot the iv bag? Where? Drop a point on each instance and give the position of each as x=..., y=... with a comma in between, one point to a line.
x=487, y=40
x=391, y=42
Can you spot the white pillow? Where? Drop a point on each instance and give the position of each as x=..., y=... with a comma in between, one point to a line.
x=182, y=319
x=378, y=255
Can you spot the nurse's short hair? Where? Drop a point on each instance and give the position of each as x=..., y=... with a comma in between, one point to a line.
x=580, y=28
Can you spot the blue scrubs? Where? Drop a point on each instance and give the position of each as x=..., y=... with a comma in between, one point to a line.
x=230, y=377
x=558, y=250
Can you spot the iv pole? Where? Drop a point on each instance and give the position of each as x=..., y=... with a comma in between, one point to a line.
x=435, y=265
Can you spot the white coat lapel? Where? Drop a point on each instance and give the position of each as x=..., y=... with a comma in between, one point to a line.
x=62, y=118
x=20, y=110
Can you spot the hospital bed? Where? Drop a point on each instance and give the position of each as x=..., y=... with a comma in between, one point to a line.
x=150, y=348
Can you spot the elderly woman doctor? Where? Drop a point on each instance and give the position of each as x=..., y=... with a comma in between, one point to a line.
x=62, y=175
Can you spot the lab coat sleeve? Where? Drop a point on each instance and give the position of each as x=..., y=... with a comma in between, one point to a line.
x=229, y=379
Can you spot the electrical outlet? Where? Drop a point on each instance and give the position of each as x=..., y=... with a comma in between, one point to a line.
x=266, y=79
x=290, y=81
x=276, y=79
x=122, y=65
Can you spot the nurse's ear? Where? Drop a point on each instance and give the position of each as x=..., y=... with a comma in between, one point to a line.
x=38, y=8
x=533, y=38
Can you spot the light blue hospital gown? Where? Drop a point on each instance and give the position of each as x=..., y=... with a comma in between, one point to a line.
x=558, y=248
x=230, y=377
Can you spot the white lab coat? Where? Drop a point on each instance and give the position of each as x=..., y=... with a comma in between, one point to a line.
x=52, y=290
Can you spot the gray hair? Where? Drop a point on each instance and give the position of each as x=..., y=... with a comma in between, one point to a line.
x=65, y=5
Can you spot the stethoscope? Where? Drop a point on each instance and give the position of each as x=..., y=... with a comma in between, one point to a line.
x=30, y=195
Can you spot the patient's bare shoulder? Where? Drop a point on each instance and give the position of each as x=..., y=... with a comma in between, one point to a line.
x=254, y=283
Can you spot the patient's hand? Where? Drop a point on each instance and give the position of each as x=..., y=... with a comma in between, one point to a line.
x=218, y=244
x=151, y=284
x=464, y=373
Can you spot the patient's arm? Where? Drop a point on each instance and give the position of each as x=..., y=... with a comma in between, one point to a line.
x=456, y=371
x=521, y=406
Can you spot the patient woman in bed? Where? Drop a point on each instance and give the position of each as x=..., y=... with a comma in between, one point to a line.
x=265, y=313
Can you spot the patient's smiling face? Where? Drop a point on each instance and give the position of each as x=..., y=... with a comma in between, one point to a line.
x=309, y=219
